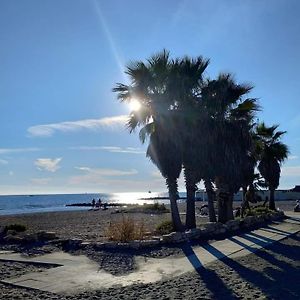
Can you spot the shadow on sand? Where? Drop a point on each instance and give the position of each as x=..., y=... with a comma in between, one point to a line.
x=212, y=281
x=277, y=279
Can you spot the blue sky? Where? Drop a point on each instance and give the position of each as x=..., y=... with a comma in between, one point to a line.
x=62, y=127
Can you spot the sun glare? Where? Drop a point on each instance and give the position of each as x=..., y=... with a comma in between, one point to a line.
x=134, y=105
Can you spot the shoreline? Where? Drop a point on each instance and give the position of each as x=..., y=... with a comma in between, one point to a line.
x=74, y=207
x=91, y=225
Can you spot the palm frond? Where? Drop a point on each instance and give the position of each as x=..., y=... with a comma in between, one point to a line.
x=124, y=91
x=146, y=131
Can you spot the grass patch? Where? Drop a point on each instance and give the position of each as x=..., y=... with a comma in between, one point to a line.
x=156, y=207
x=126, y=230
x=257, y=211
x=165, y=227
x=15, y=227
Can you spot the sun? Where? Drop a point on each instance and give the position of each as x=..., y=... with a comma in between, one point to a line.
x=134, y=105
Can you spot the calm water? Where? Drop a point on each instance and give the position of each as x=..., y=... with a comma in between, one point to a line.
x=46, y=203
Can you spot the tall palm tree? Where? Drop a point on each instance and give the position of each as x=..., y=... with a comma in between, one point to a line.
x=230, y=119
x=152, y=83
x=166, y=155
x=189, y=78
x=273, y=153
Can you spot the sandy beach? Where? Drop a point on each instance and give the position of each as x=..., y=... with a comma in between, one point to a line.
x=91, y=225
x=249, y=277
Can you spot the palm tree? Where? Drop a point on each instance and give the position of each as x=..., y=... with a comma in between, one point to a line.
x=229, y=139
x=211, y=196
x=166, y=155
x=273, y=153
x=189, y=78
x=152, y=83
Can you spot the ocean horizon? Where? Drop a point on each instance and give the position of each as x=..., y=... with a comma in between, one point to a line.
x=22, y=204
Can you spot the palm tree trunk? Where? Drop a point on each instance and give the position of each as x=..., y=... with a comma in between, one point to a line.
x=245, y=203
x=190, y=221
x=173, y=195
x=225, y=199
x=272, y=199
x=244, y=192
x=229, y=207
x=210, y=200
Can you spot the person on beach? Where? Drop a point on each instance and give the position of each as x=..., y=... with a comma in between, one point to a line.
x=93, y=202
x=99, y=203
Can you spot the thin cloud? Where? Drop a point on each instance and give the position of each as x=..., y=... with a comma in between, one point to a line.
x=3, y=162
x=130, y=150
x=47, y=130
x=17, y=150
x=48, y=164
x=107, y=172
x=40, y=181
x=96, y=176
x=113, y=149
x=292, y=157
x=156, y=174
x=290, y=171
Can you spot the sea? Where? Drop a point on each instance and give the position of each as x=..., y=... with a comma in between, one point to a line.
x=22, y=204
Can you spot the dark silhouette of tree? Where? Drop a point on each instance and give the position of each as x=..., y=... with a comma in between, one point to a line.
x=152, y=83
x=272, y=153
x=230, y=119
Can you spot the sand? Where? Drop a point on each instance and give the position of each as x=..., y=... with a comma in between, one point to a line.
x=271, y=273
x=91, y=225
x=268, y=274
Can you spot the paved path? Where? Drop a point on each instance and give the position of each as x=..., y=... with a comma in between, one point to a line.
x=77, y=273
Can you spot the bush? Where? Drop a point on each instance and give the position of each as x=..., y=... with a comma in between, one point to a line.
x=15, y=227
x=165, y=227
x=156, y=207
x=257, y=211
x=126, y=230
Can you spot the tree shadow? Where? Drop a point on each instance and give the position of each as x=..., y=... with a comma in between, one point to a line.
x=258, y=239
x=211, y=280
x=271, y=287
x=263, y=254
x=289, y=251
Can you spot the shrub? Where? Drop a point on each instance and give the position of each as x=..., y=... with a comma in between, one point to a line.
x=15, y=227
x=257, y=211
x=156, y=207
x=165, y=227
x=126, y=230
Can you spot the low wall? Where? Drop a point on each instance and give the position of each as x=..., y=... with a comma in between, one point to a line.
x=206, y=232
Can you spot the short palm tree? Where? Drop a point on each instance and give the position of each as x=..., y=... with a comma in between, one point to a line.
x=273, y=152
x=230, y=118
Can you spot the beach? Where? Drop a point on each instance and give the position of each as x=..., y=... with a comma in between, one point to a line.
x=248, y=277
x=91, y=225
